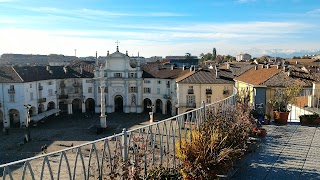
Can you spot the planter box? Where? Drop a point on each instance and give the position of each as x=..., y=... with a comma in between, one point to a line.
x=309, y=121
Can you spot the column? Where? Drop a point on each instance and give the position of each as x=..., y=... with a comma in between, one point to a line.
x=69, y=108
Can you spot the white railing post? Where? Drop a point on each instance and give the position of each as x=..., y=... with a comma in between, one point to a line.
x=204, y=110
x=125, y=144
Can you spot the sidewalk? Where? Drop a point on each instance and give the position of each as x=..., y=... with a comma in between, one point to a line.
x=287, y=152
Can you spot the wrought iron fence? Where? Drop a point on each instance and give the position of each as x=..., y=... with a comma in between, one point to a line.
x=121, y=155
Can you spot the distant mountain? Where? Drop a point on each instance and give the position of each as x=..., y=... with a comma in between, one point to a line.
x=284, y=53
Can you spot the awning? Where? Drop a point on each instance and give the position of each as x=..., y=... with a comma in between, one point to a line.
x=42, y=115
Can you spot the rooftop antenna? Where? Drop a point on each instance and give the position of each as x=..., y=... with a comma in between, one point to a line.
x=75, y=52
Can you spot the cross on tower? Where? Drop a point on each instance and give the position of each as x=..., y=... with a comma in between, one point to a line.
x=117, y=42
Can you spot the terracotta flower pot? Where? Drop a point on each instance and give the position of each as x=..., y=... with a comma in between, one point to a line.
x=281, y=117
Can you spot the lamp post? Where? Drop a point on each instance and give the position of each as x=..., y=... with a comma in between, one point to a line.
x=151, y=113
x=28, y=106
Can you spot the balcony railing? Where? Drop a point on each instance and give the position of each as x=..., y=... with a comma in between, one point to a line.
x=76, y=84
x=208, y=91
x=63, y=96
x=40, y=88
x=155, y=144
x=226, y=92
x=41, y=100
x=190, y=91
x=11, y=91
x=187, y=105
x=166, y=96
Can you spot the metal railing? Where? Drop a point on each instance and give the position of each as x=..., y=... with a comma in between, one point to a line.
x=119, y=155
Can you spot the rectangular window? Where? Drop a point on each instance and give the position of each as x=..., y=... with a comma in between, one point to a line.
x=133, y=90
x=159, y=82
x=147, y=81
x=50, y=83
x=89, y=89
x=117, y=75
x=132, y=75
x=88, y=81
x=168, y=84
x=190, y=90
x=158, y=90
x=208, y=99
x=76, y=90
x=11, y=97
x=190, y=99
x=50, y=92
x=31, y=95
x=12, y=87
x=147, y=90
x=30, y=85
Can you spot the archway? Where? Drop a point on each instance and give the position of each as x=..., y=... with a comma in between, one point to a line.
x=158, y=106
x=63, y=106
x=90, y=104
x=40, y=108
x=118, y=103
x=147, y=103
x=169, y=107
x=14, y=116
x=32, y=111
x=76, y=106
x=1, y=120
x=51, y=105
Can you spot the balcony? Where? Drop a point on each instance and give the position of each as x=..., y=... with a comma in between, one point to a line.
x=187, y=105
x=208, y=91
x=40, y=88
x=41, y=100
x=190, y=91
x=166, y=96
x=11, y=91
x=63, y=96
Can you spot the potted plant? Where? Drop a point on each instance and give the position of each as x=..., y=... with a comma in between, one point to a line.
x=267, y=119
x=282, y=101
x=309, y=119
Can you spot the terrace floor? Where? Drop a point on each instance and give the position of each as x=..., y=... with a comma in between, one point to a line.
x=287, y=152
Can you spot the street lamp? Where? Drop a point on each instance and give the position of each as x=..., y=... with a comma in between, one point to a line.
x=28, y=107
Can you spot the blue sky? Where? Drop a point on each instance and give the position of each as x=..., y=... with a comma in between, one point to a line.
x=159, y=28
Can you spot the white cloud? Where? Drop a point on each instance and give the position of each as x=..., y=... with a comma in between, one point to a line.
x=316, y=11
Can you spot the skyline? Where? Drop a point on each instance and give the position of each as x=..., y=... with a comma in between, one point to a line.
x=257, y=27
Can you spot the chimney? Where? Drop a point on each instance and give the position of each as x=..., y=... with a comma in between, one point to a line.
x=183, y=67
x=127, y=53
x=97, y=62
x=191, y=68
x=65, y=69
x=48, y=67
x=284, y=68
x=216, y=69
x=107, y=53
x=289, y=73
x=268, y=66
x=256, y=67
x=81, y=69
x=262, y=66
x=172, y=67
x=278, y=66
x=296, y=62
x=228, y=65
